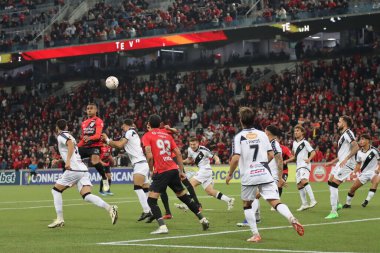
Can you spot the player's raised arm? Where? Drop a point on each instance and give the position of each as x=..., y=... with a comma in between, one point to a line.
x=115, y=144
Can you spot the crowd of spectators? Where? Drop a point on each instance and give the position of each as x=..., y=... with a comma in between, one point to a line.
x=204, y=104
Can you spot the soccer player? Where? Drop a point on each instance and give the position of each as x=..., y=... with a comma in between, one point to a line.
x=368, y=162
x=90, y=141
x=286, y=154
x=252, y=151
x=106, y=160
x=201, y=155
x=303, y=153
x=76, y=172
x=347, y=149
x=33, y=169
x=132, y=145
x=158, y=148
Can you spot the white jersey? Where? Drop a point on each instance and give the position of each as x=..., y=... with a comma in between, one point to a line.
x=253, y=146
x=76, y=163
x=133, y=147
x=272, y=164
x=369, y=160
x=301, y=150
x=344, y=147
x=201, y=157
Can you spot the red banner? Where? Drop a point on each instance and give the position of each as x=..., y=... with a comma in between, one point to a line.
x=126, y=45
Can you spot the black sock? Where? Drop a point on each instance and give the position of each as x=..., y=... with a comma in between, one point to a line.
x=192, y=205
x=190, y=189
x=165, y=201
x=280, y=191
x=156, y=211
x=101, y=186
x=100, y=170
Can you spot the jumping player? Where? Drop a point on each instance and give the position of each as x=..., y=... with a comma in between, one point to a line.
x=90, y=141
x=107, y=161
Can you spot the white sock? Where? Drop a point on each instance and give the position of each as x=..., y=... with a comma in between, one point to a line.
x=303, y=196
x=334, y=195
x=143, y=200
x=57, y=196
x=348, y=200
x=222, y=197
x=97, y=201
x=310, y=192
x=370, y=195
x=284, y=211
x=256, y=203
x=250, y=217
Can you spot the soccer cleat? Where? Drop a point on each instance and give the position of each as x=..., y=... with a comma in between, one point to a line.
x=242, y=224
x=102, y=193
x=365, y=203
x=230, y=204
x=144, y=216
x=313, y=204
x=297, y=226
x=181, y=206
x=205, y=223
x=302, y=207
x=56, y=224
x=254, y=238
x=114, y=214
x=339, y=206
x=167, y=217
x=346, y=206
x=161, y=230
x=106, y=186
x=332, y=215
x=109, y=193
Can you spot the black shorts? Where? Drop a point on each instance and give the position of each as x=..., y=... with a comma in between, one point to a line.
x=168, y=178
x=285, y=176
x=88, y=152
x=107, y=169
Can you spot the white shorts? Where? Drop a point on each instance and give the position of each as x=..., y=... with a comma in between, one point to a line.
x=267, y=191
x=142, y=169
x=366, y=177
x=204, y=177
x=69, y=178
x=302, y=173
x=341, y=174
x=274, y=173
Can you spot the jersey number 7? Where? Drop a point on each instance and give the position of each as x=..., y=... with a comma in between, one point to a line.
x=255, y=148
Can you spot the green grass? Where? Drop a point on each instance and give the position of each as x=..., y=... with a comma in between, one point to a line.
x=25, y=212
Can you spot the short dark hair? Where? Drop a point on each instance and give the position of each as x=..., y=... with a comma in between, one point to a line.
x=365, y=136
x=92, y=103
x=154, y=121
x=247, y=116
x=300, y=127
x=193, y=138
x=274, y=130
x=348, y=120
x=128, y=122
x=61, y=124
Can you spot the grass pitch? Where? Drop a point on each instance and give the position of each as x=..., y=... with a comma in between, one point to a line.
x=25, y=212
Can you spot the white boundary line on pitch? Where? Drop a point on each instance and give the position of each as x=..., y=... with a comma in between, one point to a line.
x=232, y=231
x=226, y=248
x=134, y=198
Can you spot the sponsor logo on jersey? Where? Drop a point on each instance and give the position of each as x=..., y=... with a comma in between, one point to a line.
x=251, y=136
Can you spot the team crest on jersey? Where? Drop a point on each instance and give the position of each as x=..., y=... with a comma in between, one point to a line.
x=92, y=124
x=251, y=136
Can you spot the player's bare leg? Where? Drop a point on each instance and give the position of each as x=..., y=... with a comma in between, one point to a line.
x=95, y=161
x=351, y=193
x=217, y=194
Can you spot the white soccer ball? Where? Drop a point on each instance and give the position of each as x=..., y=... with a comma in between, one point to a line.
x=112, y=82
